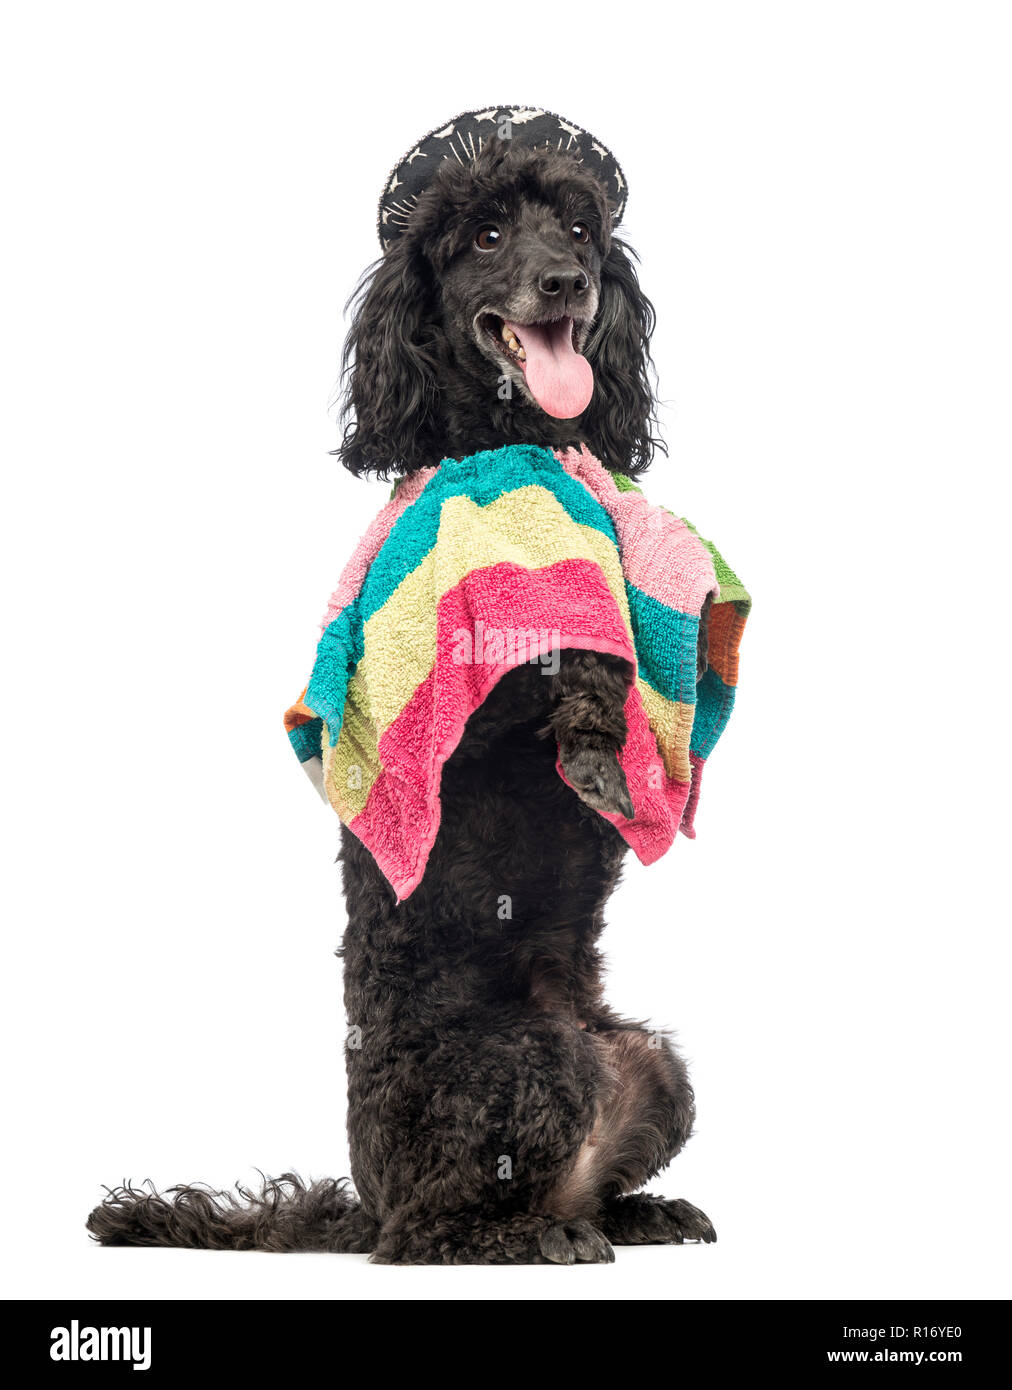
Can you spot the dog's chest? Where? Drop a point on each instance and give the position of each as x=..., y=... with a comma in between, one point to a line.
x=520, y=845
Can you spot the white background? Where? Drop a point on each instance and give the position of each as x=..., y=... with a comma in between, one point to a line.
x=820, y=197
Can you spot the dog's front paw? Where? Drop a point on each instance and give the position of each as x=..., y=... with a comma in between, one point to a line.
x=592, y=769
x=575, y=1242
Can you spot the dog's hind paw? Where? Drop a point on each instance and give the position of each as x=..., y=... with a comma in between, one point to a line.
x=469, y=1238
x=593, y=771
x=646, y=1220
x=575, y=1242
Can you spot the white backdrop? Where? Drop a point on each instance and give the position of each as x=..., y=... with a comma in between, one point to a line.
x=820, y=198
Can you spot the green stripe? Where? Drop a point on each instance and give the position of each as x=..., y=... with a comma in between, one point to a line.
x=732, y=590
x=623, y=483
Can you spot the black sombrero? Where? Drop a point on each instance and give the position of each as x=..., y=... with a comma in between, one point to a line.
x=466, y=135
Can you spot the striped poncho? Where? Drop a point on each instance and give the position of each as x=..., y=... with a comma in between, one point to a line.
x=477, y=566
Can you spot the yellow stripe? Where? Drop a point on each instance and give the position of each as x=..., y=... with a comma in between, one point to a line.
x=403, y=632
x=352, y=766
x=671, y=724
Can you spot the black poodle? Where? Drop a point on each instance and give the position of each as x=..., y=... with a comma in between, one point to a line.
x=499, y=1111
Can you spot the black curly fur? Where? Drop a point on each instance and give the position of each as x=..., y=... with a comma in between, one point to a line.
x=499, y=1111
x=286, y=1214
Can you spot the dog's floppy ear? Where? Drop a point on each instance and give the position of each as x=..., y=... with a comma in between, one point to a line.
x=391, y=367
x=619, y=422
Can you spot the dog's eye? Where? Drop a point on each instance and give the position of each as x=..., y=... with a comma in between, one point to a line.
x=488, y=239
x=580, y=233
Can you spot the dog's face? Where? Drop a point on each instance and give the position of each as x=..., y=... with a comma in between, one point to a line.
x=520, y=276
x=506, y=311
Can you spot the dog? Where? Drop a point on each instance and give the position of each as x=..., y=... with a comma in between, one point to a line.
x=499, y=1112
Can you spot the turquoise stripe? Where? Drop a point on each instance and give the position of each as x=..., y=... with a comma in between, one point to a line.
x=339, y=652
x=666, y=642
x=714, y=702
x=306, y=739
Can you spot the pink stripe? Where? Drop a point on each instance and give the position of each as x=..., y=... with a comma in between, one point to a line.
x=354, y=573
x=660, y=555
x=688, y=827
x=400, y=820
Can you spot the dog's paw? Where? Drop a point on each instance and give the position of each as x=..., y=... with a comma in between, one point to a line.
x=687, y=1222
x=575, y=1242
x=643, y=1219
x=593, y=771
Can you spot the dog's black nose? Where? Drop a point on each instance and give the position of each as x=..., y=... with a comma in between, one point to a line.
x=563, y=279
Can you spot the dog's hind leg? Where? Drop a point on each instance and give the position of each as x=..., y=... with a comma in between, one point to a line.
x=588, y=697
x=644, y=1117
x=285, y=1215
x=462, y=1170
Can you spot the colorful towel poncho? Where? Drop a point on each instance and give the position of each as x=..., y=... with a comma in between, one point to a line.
x=484, y=563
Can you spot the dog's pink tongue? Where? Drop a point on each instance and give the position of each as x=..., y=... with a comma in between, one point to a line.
x=559, y=379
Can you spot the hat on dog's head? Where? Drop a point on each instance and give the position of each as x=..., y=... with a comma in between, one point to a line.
x=468, y=134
